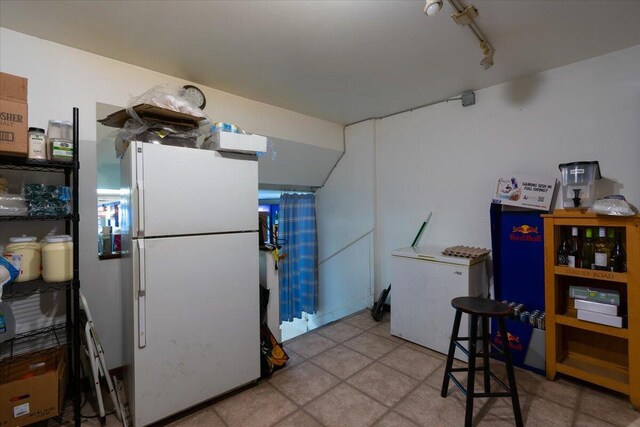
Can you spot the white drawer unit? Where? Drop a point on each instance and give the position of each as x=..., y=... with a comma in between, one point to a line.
x=423, y=284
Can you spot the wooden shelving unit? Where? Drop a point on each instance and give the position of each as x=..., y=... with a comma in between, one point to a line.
x=600, y=354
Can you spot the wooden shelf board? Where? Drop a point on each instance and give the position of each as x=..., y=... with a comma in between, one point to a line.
x=599, y=372
x=583, y=217
x=584, y=273
x=569, y=319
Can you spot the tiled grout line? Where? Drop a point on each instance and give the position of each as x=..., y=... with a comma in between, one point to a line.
x=376, y=360
x=389, y=409
x=344, y=381
x=576, y=411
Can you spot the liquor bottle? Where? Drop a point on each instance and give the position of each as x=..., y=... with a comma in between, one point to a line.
x=588, y=250
x=602, y=250
x=563, y=250
x=575, y=249
x=611, y=238
x=617, y=260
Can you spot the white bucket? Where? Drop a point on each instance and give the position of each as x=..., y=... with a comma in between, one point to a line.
x=57, y=258
x=24, y=254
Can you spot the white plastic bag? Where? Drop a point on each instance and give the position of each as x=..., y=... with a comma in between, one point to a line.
x=615, y=205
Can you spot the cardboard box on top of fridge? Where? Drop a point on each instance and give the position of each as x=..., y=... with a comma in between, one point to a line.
x=32, y=387
x=13, y=115
x=239, y=142
x=152, y=113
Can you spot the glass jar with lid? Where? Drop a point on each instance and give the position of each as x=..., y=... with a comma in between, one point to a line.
x=37, y=144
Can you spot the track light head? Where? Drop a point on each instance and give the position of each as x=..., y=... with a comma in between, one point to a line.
x=488, y=51
x=432, y=7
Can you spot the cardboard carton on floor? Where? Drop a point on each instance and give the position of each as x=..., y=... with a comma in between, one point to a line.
x=32, y=387
x=13, y=115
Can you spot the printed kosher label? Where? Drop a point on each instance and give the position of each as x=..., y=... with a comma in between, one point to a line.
x=20, y=410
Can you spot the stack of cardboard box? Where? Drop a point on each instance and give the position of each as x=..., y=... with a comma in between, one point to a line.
x=13, y=115
x=597, y=305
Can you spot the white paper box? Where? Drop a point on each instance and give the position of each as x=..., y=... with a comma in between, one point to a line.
x=239, y=143
x=603, y=319
x=596, y=307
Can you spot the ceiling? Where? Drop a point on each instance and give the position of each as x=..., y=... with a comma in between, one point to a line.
x=342, y=61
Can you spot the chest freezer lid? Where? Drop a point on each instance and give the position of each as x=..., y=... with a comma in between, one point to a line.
x=434, y=253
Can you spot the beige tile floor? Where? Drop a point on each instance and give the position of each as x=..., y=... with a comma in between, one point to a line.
x=354, y=373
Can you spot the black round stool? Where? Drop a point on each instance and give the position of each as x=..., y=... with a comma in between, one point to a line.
x=483, y=309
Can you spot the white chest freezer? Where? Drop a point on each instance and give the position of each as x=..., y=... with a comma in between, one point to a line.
x=423, y=284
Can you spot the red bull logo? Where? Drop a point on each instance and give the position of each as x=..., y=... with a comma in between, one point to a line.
x=525, y=233
x=513, y=340
x=525, y=229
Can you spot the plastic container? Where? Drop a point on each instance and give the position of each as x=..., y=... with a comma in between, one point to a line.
x=57, y=258
x=7, y=322
x=59, y=129
x=578, y=184
x=60, y=149
x=37, y=144
x=24, y=254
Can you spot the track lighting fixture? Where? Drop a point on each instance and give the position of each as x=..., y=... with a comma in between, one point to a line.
x=465, y=16
x=432, y=7
x=488, y=50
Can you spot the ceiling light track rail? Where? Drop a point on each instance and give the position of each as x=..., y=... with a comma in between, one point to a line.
x=465, y=16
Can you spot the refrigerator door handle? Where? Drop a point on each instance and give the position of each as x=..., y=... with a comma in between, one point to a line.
x=140, y=189
x=142, y=291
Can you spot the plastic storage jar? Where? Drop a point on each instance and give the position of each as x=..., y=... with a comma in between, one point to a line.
x=37, y=144
x=57, y=258
x=24, y=253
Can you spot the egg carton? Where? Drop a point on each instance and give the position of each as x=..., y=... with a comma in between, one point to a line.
x=465, y=252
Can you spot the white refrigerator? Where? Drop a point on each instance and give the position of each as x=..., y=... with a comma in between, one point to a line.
x=190, y=276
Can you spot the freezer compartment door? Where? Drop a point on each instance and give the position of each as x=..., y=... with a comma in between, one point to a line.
x=181, y=191
x=198, y=309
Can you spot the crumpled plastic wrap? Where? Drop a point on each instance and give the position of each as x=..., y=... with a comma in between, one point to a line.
x=164, y=96
x=615, y=205
x=171, y=98
x=47, y=200
x=12, y=205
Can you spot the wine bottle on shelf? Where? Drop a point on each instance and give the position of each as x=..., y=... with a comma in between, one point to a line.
x=575, y=249
x=617, y=261
x=563, y=250
x=602, y=250
x=588, y=250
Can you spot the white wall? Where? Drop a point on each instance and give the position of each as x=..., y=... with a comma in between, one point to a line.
x=345, y=217
x=61, y=78
x=446, y=158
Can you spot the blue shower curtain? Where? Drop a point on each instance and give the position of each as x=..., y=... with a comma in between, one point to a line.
x=299, y=269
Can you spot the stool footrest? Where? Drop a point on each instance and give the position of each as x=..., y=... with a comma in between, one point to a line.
x=503, y=394
x=467, y=339
x=462, y=348
x=464, y=391
x=491, y=374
